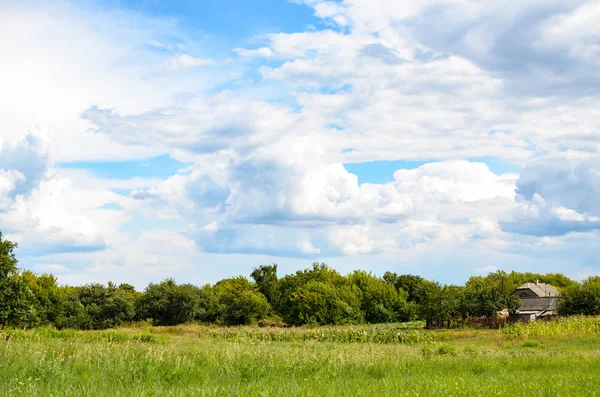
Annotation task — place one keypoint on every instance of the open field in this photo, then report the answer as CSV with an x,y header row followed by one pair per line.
x,y
541,360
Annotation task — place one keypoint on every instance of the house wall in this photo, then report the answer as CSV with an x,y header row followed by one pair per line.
x,y
525,318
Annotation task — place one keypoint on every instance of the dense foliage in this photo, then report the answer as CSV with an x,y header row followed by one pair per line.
x,y
581,298
318,295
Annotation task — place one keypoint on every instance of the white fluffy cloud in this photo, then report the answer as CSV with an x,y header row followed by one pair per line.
x,y
32,156
575,32
558,194
267,132
43,210
316,208
64,58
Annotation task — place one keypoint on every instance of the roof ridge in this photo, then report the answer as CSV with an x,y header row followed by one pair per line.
x,y
542,290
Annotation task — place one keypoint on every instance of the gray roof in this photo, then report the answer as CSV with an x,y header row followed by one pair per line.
x,y
545,303
541,289
538,304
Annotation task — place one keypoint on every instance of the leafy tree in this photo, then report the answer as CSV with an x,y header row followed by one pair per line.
x,y
407,282
430,301
167,303
581,299
240,302
512,304
266,279
452,307
47,298
100,307
127,288
208,304
292,282
558,280
318,302
17,303
71,313
482,298
318,295
381,302
440,305
8,261
506,283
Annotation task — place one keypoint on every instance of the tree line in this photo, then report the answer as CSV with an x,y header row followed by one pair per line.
x,y
318,295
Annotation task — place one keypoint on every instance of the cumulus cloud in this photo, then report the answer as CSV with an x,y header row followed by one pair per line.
x,y
8,183
32,156
286,207
558,195
204,126
575,32
266,134
66,58
42,209
529,44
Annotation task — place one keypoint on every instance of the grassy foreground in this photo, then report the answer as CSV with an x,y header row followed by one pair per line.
x,y
542,360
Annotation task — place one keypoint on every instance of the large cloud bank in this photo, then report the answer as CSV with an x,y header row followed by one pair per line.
x,y
265,134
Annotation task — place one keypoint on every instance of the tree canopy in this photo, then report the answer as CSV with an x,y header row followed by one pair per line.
x,y
317,295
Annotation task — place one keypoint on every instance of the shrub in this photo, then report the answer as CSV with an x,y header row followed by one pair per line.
x,y
168,303
240,302
581,299
320,303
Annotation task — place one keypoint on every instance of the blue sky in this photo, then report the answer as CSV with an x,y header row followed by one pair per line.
x,y
161,167
198,139
234,22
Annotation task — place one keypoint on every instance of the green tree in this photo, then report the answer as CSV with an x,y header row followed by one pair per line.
x,y
103,307
406,282
167,303
8,260
381,302
127,288
483,298
318,302
266,279
47,299
317,295
208,304
581,299
71,313
452,307
240,302
429,296
506,283
17,303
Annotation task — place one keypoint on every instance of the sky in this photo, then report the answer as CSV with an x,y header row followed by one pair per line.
x,y
146,139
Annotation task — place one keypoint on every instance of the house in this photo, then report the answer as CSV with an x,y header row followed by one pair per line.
x,y
538,301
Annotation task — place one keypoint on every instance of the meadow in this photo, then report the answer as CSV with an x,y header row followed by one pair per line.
x,y
543,359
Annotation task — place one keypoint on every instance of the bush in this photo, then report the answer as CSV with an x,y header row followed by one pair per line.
x,y
240,302
381,302
17,302
208,304
581,299
167,303
321,303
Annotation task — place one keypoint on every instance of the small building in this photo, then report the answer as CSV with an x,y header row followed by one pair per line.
x,y
538,301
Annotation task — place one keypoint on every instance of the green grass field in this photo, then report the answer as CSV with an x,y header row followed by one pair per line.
x,y
557,359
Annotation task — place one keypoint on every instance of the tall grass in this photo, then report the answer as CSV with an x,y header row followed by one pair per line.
x,y
561,326
51,365
194,360
324,334
45,333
